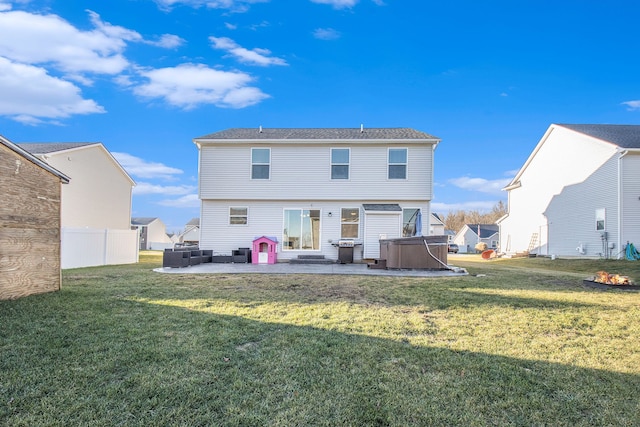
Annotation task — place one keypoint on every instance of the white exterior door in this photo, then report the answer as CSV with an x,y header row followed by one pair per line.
x,y
380,225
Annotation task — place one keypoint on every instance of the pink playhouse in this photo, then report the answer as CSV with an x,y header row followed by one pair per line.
x,y
264,250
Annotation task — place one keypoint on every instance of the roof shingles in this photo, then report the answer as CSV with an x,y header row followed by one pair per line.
x,y
624,136
319,134
51,147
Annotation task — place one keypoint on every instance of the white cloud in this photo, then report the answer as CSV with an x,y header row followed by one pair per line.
x,y
190,85
230,26
169,190
326,34
168,41
256,27
480,184
29,93
337,4
188,201
255,56
233,5
141,168
632,105
114,32
48,39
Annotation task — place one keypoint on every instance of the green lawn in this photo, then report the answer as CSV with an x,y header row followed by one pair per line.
x,y
517,342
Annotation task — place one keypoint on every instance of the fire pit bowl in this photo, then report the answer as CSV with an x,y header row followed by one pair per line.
x,y
604,280
599,285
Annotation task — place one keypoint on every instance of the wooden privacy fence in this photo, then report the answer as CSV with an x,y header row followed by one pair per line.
x,y
85,247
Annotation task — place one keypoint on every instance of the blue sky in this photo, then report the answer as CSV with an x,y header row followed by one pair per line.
x,y
145,77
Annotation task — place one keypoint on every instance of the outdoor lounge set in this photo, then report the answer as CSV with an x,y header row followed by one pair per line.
x,y
186,256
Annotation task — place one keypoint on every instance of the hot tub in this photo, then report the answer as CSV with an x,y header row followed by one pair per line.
x,y
411,252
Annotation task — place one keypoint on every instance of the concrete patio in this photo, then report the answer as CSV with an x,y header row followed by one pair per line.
x,y
286,268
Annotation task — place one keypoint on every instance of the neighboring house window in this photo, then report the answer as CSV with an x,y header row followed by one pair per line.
x,y
409,217
350,223
600,220
397,163
238,216
260,163
340,163
301,229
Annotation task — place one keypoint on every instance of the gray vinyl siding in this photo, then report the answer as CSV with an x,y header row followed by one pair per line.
x,y
265,218
388,225
571,214
630,200
299,170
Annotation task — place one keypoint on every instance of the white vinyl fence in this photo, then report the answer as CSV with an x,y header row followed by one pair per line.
x,y
85,247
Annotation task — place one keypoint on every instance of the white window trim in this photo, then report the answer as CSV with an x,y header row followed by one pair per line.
x,y
359,221
601,215
406,164
238,216
402,219
320,231
331,164
252,164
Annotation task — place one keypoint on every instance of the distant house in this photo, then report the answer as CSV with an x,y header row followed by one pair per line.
x,y
191,233
152,233
471,234
450,235
578,193
96,205
30,193
436,225
311,188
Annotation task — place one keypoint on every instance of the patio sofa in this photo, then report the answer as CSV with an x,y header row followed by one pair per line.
x,y
175,259
185,256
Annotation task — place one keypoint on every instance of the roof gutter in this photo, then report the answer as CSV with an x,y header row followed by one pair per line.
x,y
513,186
201,141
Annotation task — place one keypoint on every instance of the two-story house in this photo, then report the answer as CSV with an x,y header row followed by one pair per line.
x,y
96,205
578,193
311,188
152,234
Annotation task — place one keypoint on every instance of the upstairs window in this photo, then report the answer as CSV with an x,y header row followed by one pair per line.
x,y
260,163
238,216
349,223
397,163
340,163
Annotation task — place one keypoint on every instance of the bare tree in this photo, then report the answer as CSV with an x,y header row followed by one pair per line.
x,y
455,220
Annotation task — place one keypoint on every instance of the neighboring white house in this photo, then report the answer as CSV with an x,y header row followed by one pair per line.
x,y
96,205
152,234
436,225
313,187
578,193
471,234
191,233
450,235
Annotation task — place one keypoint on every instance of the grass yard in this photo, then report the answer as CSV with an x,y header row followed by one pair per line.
x,y
517,342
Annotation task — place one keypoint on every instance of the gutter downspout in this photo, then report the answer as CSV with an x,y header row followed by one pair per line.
x,y
620,215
